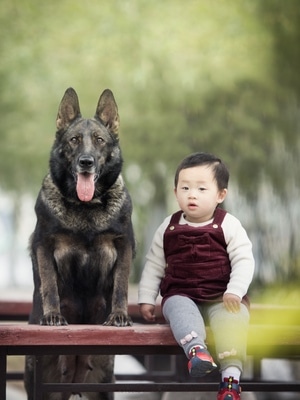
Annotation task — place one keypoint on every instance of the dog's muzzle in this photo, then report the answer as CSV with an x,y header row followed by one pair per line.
x,y
85,177
86,162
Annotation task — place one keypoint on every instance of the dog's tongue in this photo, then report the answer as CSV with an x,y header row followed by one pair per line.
x,y
85,187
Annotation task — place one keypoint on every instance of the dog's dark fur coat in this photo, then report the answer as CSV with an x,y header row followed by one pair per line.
x,y
83,244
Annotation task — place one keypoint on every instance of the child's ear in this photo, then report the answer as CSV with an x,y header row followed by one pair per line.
x,y
222,195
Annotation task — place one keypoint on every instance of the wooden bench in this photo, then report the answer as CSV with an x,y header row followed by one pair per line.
x,y
274,333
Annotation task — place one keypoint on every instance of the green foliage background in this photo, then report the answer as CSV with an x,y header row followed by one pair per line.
x,y
219,76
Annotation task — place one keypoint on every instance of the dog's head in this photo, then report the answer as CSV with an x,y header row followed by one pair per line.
x,y
86,158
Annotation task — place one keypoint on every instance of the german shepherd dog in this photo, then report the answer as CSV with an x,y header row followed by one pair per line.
x,y
83,243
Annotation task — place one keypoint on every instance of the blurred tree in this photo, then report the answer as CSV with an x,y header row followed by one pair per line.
x,y
157,70
220,77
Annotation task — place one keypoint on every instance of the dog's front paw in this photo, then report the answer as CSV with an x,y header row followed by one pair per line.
x,y
52,319
118,319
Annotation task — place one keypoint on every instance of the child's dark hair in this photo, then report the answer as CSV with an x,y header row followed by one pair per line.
x,y
194,160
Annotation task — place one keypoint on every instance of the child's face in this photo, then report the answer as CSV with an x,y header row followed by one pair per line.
x,y
197,193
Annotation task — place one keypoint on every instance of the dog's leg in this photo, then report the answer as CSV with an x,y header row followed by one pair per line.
x,y
66,365
67,368
119,315
83,367
49,289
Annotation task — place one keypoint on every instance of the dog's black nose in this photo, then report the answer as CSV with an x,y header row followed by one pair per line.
x,y
86,161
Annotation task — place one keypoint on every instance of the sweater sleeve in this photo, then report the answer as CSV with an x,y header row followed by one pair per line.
x,y
239,248
154,269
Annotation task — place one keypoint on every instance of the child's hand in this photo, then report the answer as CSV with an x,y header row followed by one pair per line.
x,y
232,302
147,311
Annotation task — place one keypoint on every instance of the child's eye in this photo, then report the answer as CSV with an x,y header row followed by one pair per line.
x,y
185,188
202,189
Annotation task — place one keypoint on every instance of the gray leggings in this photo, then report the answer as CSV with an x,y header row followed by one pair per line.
x,y
187,321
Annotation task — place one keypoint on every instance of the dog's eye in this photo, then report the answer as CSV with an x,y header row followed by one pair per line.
x,y
99,139
74,140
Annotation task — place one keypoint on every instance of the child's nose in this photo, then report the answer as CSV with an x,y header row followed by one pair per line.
x,y
192,194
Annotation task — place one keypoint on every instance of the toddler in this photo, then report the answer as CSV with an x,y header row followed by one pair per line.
x,y
201,261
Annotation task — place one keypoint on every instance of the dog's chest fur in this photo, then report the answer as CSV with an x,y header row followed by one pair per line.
x,y
83,260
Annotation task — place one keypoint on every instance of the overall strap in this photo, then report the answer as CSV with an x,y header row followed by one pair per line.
x,y
175,218
219,216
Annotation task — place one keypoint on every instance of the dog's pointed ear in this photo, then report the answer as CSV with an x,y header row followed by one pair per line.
x,y
68,109
107,111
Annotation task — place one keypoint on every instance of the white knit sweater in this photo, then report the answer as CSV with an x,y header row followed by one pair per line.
x,y
239,249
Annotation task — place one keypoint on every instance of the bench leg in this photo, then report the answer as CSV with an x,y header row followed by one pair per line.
x,y
3,363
